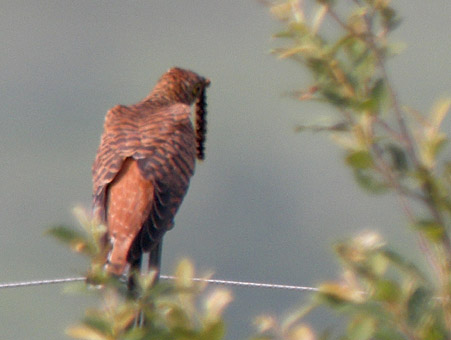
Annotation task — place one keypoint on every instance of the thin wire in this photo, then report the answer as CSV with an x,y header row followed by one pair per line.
x,y
40,282
165,277
247,284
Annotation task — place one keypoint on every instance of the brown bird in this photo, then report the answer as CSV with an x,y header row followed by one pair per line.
x,y
144,164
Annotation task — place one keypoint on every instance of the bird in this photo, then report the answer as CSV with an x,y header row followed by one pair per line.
x,y
143,166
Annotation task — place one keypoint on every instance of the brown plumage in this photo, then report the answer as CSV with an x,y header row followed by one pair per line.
x,y
143,166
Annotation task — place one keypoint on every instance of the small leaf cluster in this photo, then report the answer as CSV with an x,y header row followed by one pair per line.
x,y
90,241
177,309
381,295
388,146
345,70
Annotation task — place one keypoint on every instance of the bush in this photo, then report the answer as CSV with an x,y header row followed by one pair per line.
x,y
389,148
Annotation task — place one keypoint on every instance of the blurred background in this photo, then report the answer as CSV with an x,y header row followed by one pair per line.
x,y
267,203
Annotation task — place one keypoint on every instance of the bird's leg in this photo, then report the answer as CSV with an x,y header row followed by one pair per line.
x,y
155,259
134,270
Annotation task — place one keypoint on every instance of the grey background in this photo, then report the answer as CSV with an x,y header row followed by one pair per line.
x,y
265,205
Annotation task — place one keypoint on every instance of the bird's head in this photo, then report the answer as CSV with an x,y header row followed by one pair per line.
x,y
182,85
178,85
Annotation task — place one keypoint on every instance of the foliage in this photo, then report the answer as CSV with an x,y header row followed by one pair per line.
x,y
153,310
382,295
390,148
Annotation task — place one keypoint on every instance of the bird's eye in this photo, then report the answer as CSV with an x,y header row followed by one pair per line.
x,y
196,89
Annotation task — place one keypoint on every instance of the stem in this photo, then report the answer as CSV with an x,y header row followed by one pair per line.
x,y
409,144
385,170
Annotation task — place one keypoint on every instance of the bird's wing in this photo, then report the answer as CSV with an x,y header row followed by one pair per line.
x,y
166,157
162,141
119,140
167,146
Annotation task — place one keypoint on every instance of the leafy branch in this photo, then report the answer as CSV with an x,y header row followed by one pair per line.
x,y
154,310
389,146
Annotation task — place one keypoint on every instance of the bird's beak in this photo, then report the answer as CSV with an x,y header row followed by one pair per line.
x,y
207,82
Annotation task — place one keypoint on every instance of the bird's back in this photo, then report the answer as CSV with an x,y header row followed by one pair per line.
x,y
141,174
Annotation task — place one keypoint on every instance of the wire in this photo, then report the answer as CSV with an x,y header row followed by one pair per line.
x,y
248,284
40,282
164,277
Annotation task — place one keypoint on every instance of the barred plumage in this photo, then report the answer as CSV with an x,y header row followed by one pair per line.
x,y
143,166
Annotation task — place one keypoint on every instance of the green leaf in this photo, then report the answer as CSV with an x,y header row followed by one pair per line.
x,y
98,323
389,18
214,331
284,34
395,49
360,159
437,144
338,295
406,266
376,100
334,97
299,28
76,240
385,332
82,332
433,230
343,42
379,94
362,328
418,305
439,112
124,318
387,290
369,182
436,331
289,52
447,173
65,234
398,157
